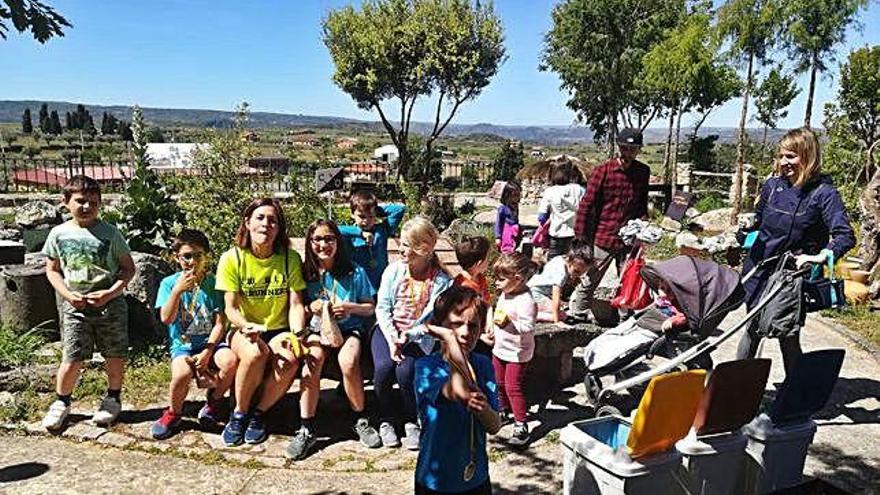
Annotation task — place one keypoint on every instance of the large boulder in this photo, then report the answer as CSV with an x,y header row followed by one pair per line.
x,y
715,220
37,213
144,326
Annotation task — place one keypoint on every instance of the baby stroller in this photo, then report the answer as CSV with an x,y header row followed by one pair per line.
x,y
705,292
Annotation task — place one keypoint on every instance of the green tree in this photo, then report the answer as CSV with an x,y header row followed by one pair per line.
x,y
148,214
859,98
68,121
813,30
55,124
109,123
123,128
40,19
155,135
27,125
88,125
398,51
596,48
685,70
509,161
772,98
751,28
44,118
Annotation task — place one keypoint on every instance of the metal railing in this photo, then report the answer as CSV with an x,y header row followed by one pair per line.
x,y
279,175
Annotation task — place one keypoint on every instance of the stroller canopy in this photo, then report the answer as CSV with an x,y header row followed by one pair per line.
x,y
705,291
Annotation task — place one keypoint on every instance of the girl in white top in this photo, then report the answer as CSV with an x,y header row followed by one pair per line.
x,y
514,325
559,205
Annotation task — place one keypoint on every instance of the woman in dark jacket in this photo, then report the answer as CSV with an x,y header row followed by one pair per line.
x,y
799,210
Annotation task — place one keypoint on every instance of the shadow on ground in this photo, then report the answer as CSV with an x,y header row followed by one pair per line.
x,y
23,471
849,472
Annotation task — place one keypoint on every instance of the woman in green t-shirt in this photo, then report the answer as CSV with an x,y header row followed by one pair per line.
x,y
261,277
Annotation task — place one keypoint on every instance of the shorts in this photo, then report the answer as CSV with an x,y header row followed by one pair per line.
x,y
104,329
195,349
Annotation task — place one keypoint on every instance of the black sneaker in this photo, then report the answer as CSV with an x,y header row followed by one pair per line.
x,y
520,437
300,444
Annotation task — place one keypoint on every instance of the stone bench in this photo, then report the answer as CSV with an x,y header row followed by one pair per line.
x,y
551,367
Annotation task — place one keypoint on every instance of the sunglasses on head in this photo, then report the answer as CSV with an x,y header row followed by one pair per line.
x,y
192,256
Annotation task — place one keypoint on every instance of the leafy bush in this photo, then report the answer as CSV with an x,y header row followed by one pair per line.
x,y
709,202
148,216
18,350
214,197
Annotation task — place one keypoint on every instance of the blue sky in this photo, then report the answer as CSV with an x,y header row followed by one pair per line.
x,y
213,54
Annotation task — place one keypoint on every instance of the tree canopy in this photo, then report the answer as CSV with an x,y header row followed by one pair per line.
x,y
32,15
772,98
596,47
402,50
812,30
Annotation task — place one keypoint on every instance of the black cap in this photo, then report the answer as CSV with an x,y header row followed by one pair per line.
x,y
630,136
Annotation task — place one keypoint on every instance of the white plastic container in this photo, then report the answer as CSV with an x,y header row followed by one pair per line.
x,y
595,462
775,455
713,463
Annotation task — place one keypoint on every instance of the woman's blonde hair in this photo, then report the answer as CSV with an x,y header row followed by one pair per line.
x,y
804,142
421,234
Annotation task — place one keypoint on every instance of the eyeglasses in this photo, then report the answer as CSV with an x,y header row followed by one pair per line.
x,y
192,256
329,239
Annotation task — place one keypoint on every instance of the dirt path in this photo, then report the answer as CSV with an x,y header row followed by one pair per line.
x,y
846,450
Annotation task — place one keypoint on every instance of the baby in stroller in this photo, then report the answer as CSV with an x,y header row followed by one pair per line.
x,y
692,297
635,335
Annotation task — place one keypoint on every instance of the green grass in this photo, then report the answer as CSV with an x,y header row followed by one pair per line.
x,y
662,250
18,349
859,319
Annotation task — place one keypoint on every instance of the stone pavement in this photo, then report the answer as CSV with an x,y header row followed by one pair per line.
x,y
124,459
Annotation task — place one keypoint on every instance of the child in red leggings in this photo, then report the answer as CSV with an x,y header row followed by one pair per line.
x,y
514,319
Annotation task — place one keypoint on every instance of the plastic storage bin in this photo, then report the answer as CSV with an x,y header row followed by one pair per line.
x,y
715,463
595,462
776,454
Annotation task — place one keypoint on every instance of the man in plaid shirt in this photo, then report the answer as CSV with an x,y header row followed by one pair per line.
x,y
617,192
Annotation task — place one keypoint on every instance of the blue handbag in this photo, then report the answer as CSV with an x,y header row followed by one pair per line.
x,y
822,292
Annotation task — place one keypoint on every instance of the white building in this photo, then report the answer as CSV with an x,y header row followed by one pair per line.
x,y
387,153
172,156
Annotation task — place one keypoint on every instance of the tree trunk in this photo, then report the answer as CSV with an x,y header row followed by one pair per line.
x,y
764,143
674,156
741,146
612,133
814,67
869,248
667,171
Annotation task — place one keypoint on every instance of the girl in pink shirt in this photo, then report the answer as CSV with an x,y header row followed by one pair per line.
x,y
514,324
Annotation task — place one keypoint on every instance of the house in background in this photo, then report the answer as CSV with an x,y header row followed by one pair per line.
x,y
387,153
346,143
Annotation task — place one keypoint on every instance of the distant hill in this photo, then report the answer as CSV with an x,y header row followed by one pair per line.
x,y
10,112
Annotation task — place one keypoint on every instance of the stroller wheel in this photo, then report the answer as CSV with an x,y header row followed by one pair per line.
x,y
608,411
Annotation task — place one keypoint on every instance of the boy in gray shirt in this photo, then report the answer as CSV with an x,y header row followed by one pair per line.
x,y
89,264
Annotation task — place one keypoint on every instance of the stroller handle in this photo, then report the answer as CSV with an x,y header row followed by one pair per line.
x,y
705,345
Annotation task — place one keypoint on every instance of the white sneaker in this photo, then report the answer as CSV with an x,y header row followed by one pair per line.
x,y
107,412
54,418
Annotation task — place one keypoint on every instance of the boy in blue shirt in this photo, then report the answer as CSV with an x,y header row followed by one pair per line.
x,y
368,237
193,311
457,399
